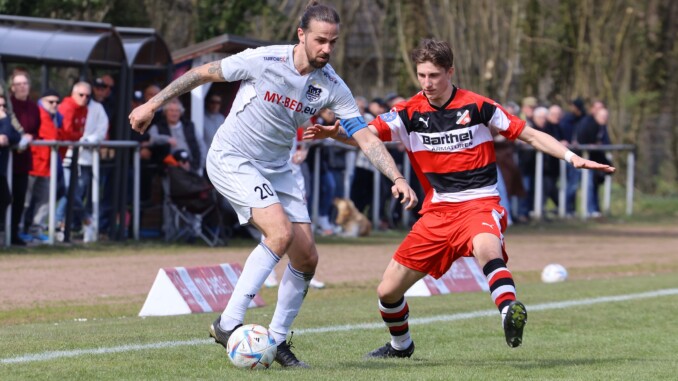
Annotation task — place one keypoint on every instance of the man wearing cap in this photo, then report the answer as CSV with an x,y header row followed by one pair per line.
x,y
50,125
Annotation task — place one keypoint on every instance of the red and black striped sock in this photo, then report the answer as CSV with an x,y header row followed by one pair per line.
x,y
395,316
502,288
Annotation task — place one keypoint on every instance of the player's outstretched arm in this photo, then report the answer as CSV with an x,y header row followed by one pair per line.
x,y
140,118
549,145
376,152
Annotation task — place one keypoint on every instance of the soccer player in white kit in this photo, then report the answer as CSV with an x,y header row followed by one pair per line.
x,y
282,87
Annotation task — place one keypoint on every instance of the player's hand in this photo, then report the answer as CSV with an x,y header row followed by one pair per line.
x,y
401,187
580,162
318,131
140,118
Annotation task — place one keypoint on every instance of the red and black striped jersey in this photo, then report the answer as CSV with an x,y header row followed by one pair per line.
x,y
450,147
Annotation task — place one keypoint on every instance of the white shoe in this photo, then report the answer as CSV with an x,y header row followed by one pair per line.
x,y
316,284
88,233
272,280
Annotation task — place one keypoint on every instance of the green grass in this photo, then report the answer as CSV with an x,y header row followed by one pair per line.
x,y
634,340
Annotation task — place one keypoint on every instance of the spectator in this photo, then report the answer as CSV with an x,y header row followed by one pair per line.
x,y
362,106
172,134
551,164
74,111
332,164
102,92
38,206
377,107
528,168
96,129
527,109
593,130
213,120
8,137
102,89
568,125
28,117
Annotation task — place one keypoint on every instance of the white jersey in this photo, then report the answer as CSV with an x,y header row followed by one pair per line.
x,y
273,100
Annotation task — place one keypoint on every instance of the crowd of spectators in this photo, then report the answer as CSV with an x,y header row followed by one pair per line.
x,y
86,113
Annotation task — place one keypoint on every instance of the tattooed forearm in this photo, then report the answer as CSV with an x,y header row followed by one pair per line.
x,y
380,158
215,69
342,136
181,85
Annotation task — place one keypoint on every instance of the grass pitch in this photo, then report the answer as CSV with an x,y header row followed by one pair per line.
x,y
635,339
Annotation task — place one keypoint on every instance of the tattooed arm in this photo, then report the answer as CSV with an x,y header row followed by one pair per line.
x,y
376,152
368,141
141,117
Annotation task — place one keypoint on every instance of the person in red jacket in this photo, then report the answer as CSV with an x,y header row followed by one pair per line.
x,y
74,111
50,126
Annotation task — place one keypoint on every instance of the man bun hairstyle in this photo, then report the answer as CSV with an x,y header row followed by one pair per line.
x,y
318,12
437,52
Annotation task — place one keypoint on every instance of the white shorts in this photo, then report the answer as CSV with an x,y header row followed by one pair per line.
x,y
247,184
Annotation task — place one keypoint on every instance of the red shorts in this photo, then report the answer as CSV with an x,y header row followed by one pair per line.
x,y
440,238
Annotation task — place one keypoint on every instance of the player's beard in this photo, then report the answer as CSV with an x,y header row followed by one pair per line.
x,y
315,62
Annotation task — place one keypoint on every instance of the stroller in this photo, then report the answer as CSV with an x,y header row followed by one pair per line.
x,y
191,209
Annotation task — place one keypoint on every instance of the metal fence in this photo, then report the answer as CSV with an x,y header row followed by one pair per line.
x,y
96,159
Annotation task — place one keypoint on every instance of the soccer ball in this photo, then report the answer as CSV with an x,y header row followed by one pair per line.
x,y
251,347
553,273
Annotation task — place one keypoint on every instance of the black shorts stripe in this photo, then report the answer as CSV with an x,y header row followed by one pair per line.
x,y
460,181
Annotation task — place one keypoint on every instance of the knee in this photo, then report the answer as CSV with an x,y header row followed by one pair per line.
x,y
388,294
280,239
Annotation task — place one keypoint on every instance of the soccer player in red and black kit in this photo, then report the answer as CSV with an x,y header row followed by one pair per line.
x,y
447,133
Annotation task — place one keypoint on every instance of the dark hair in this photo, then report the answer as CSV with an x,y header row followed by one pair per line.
x,y
318,12
437,52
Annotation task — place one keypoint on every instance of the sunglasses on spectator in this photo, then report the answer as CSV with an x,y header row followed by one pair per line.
x,y
2,105
84,95
52,101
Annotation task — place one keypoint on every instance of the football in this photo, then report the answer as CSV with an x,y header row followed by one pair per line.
x,y
251,347
553,273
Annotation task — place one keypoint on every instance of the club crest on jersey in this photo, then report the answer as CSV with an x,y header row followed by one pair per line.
x,y
313,93
388,116
464,118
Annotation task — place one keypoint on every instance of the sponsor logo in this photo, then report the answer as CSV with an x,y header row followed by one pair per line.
x,y
461,139
463,118
486,224
424,121
276,59
389,116
313,93
250,296
330,77
289,103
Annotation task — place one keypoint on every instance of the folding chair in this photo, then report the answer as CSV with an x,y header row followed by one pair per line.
x,y
190,200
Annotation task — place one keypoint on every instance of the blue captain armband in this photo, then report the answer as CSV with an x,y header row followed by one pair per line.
x,y
353,125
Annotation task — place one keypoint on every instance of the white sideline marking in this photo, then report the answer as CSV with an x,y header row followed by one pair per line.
x,y
337,328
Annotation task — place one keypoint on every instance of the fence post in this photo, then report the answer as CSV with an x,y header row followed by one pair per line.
x,y
53,175
8,211
136,192
538,185
562,188
585,179
95,190
630,171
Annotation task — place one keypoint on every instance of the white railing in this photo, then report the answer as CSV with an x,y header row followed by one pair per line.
x,y
539,176
94,147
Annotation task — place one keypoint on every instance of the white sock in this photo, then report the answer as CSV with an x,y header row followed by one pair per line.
x,y
503,314
291,293
259,264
